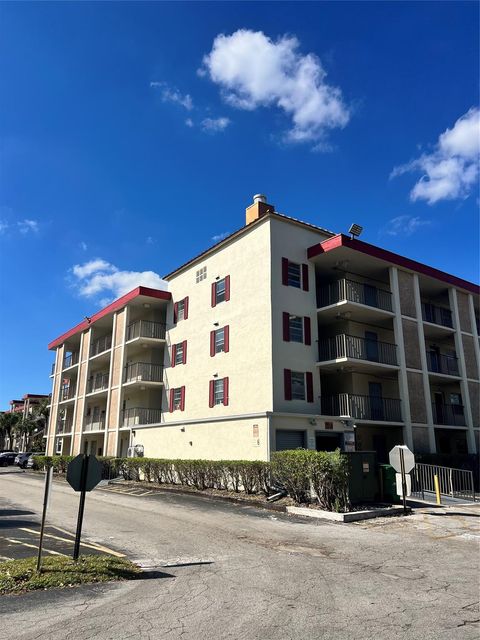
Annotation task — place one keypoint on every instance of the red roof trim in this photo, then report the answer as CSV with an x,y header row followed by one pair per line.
x,y
114,306
341,240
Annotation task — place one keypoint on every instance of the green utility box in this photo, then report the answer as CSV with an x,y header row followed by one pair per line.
x,y
388,487
363,481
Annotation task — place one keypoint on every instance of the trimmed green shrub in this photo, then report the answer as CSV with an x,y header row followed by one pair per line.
x,y
293,470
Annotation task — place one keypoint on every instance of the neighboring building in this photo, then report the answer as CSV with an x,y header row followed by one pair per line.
x,y
282,335
25,407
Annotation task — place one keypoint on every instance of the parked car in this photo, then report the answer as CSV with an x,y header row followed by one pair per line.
x,y
8,457
21,459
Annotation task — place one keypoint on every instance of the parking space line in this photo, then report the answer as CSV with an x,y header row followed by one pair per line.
x,y
97,547
33,546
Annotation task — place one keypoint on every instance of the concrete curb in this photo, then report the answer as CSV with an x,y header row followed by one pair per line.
x,y
345,517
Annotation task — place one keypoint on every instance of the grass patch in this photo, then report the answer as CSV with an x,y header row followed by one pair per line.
x,y
19,576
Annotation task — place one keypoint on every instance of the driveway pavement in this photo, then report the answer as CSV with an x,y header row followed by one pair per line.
x,y
229,571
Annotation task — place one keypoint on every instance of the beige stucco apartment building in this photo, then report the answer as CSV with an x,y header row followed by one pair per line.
x,y
282,335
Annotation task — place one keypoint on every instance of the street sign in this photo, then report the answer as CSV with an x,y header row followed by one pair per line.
x,y
93,473
408,484
83,474
408,458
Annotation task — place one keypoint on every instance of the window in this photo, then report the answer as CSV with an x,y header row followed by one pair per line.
x,y
201,274
177,399
294,277
298,385
220,291
219,340
218,392
179,353
294,274
295,327
180,310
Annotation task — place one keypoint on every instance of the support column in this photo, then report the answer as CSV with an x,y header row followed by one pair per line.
x,y
452,295
423,360
402,373
476,345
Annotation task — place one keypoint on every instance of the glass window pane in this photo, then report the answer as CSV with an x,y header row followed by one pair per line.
x,y
177,398
218,391
220,290
294,275
296,328
220,340
298,385
179,353
180,310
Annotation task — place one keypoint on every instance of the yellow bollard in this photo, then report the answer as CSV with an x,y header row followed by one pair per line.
x,y
437,488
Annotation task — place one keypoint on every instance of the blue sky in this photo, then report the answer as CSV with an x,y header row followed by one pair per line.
x,y
133,134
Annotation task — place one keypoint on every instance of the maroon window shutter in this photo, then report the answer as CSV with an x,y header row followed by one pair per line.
x,y
214,294
286,326
225,391
182,398
211,399
226,338
287,380
184,352
174,351
227,288
172,392
307,331
285,271
309,385
305,277
185,308
175,312
212,343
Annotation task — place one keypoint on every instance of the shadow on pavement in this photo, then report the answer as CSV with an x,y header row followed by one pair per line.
x,y
15,512
14,524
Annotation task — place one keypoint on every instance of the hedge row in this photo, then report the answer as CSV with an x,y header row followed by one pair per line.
x,y
323,475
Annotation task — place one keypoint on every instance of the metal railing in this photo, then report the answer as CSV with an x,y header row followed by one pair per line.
x,y
146,329
97,382
362,407
437,315
67,393
448,414
355,292
139,415
94,423
64,426
70,360
455,483
347,346
100,345
143,372
441,363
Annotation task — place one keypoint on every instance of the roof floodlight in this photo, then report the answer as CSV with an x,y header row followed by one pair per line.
x,y
355,230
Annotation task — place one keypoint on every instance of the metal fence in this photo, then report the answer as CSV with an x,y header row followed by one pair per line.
x,y
146,329
354,291
347,346
454,483
362,407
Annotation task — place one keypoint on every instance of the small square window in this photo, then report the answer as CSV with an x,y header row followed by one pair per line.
x,y
218,391
295,325
298,385
294,275
220,291
179,353
181,310
201,274
220,340
177,398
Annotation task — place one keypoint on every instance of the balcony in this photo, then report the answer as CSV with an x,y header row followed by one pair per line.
x,y
143,372
64,426
147,330
366,354
94,423
345,297
137,416
52,372
101,345
442,364
362,407
67,393
97,382
448,414
437,315
70,360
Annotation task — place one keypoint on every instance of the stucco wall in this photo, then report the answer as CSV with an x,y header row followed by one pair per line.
x,y
410,338
417,399
407,300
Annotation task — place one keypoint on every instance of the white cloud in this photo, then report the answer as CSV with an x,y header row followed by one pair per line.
x,y
173,95
98,276
27,226
405,225
189,122
255,71
83,246
150,240
451,171
214,125
3,226
220,236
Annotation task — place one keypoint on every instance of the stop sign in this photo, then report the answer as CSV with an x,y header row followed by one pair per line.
x,y
408,458
91,473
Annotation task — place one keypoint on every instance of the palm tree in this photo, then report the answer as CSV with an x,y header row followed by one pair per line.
x,y
25,428
8,422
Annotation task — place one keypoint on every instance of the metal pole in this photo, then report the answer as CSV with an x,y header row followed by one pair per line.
x,y
48,480
404,482
81,506
437,489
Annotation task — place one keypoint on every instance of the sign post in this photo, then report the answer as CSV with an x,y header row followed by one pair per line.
x,y
46,499
84,472
403,461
